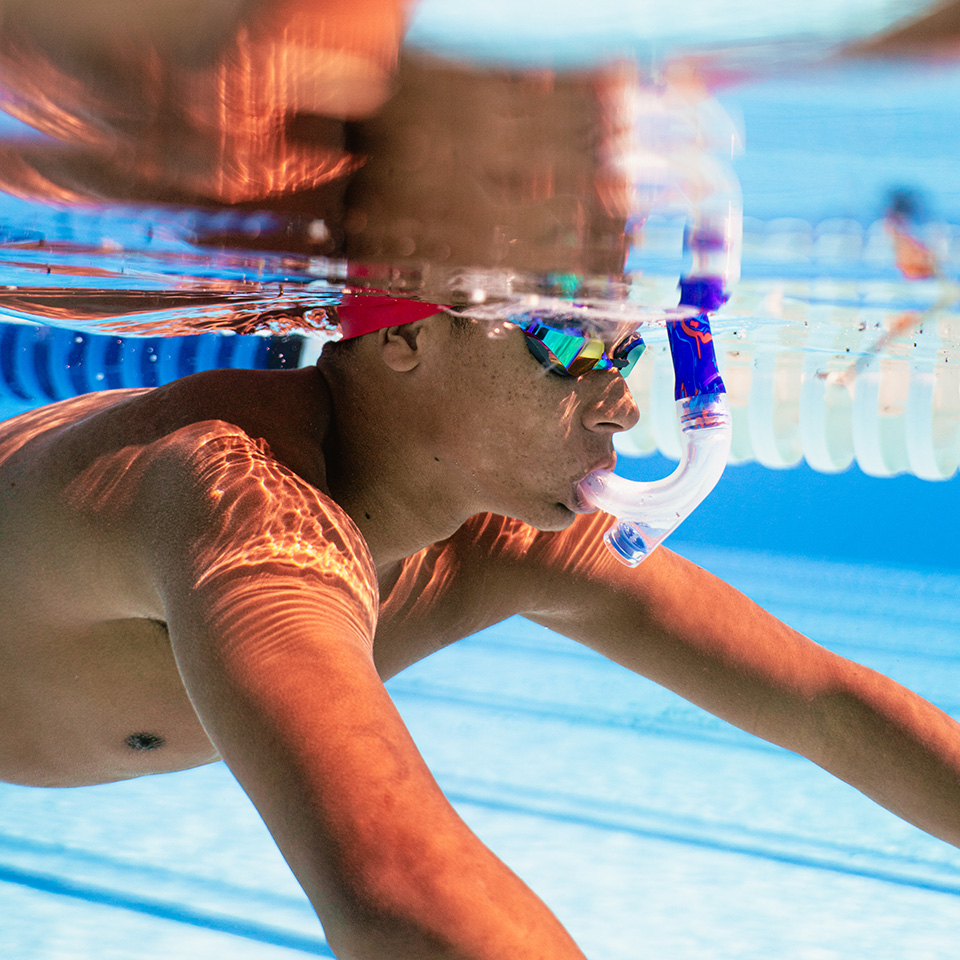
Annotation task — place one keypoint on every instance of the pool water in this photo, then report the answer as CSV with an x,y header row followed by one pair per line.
x,y
651,828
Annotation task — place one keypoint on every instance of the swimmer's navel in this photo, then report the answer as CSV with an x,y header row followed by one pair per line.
x,y
145,741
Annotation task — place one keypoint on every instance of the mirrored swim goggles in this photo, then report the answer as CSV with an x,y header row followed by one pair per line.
x,y
573,352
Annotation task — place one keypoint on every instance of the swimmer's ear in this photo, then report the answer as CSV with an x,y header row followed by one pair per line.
x,y
399,346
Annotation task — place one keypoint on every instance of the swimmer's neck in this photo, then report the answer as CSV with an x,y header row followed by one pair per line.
x,y
398,509
401,499
327,429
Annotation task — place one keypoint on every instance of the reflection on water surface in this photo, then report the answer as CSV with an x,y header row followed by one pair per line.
x,y
235,178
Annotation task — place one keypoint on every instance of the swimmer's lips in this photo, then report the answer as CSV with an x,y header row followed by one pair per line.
x,y
581,504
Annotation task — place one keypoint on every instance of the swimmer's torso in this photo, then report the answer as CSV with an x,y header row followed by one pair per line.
x,y
89,687
85,660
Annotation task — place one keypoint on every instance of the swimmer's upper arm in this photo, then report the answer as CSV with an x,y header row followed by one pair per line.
x,y
270,600
688,630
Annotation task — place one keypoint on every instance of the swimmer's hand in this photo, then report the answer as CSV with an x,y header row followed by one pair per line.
x,y
934,33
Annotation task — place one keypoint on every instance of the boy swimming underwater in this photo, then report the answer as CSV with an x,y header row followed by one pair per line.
x,y
230,566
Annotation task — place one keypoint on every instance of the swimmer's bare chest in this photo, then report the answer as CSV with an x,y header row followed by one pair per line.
x,y
90,691
89,688
93,703
86,701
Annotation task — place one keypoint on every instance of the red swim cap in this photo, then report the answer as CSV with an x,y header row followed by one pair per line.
x,y
361,313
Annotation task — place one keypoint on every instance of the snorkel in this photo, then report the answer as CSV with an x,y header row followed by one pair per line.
x,y
648,512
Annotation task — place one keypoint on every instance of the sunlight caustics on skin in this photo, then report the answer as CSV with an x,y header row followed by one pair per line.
x,y
278,523
34,423
443,578
261,542
261,517
278,520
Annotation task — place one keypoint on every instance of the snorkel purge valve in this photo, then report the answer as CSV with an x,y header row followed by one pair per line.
x,y
647,513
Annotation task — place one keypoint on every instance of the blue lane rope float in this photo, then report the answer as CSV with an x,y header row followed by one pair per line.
x,y
41,364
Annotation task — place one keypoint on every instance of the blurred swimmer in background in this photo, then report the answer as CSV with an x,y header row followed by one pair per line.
x,y
313,110
306,109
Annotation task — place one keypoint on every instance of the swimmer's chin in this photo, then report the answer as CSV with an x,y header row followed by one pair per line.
x,y
559,515
566,514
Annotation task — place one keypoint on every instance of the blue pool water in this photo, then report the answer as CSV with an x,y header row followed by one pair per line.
x,y
651,828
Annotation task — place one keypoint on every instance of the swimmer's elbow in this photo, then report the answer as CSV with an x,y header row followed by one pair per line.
x,y
371,926
420,907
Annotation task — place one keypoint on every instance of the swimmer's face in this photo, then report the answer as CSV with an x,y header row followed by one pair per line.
x,y
527,436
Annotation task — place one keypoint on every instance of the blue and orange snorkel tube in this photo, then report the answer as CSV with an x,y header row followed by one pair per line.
x,y
648,512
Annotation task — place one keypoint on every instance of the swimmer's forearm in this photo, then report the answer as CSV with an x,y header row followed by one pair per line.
x,y
391,869
892,745
700,637
407,879
288,691
468,914
863,727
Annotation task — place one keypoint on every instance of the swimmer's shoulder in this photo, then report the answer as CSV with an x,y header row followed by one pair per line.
x,y
52,419
288,410
96,453
216,509
524,567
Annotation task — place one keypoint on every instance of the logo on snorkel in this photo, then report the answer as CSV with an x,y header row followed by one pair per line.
x,y
699,335
694,358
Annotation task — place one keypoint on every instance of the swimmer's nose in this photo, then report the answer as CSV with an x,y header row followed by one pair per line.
x,y
613,410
